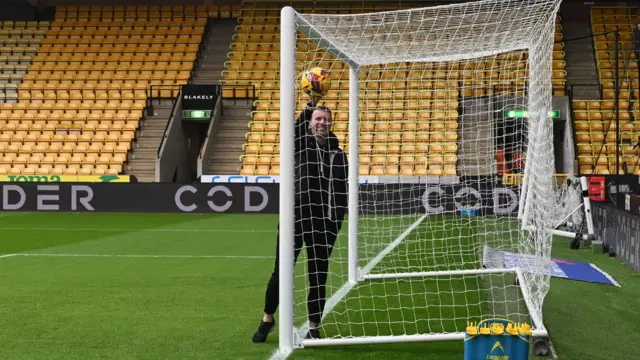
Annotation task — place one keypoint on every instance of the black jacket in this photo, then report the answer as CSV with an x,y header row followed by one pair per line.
x,y
321,174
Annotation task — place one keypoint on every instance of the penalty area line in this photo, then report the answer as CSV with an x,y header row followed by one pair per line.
x,y
147,256
7,255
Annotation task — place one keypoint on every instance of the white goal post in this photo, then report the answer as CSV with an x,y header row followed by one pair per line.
x,y
406,272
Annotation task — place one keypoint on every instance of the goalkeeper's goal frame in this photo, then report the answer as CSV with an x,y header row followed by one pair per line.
x,y
290,336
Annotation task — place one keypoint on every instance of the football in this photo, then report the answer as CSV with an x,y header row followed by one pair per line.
x,y
316,81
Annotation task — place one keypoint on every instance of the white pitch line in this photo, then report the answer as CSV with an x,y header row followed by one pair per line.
x,y
142,230
281,355
148,256
391,247
346,288
7,255
606,275
554,354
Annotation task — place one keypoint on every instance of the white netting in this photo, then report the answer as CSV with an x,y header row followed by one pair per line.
x,y
570,212
436,86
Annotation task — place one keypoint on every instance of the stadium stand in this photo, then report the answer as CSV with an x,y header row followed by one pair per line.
x,y
387,146
559,78
595,120
20,42
80,102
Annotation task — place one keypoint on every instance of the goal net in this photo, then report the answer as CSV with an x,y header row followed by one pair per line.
x,y
573,215
431,105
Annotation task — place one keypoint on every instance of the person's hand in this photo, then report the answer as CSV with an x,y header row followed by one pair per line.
x,y
314,99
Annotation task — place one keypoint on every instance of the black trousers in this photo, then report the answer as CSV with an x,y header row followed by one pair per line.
x,y
318,236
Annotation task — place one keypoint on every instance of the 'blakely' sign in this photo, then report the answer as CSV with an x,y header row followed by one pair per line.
x,y
199,97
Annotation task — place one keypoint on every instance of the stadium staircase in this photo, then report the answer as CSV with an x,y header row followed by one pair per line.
x,y
142,158
475,141
595,119
228,141
229,135
580,56
209,63
219,36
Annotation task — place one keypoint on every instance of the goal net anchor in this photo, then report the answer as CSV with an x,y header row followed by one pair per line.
x,y
417,268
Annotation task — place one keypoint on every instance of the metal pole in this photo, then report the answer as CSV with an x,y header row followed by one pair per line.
x,y
617,107
354,137
287,189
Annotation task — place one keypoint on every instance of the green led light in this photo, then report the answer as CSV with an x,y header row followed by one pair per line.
x,y
517,114
525,114
196,114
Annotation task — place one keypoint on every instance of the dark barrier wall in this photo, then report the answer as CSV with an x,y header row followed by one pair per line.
x,y
18,10
153,198
620,230
403,199
385,199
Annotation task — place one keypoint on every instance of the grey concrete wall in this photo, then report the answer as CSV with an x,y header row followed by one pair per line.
x,y
203,159
173,150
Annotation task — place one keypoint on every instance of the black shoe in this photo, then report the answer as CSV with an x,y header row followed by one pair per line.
x,y
313,334
263,331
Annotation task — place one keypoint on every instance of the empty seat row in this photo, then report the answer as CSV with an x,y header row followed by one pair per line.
x,y
75,105
598,116
58,25
163,63
131,50
79,76
148,12
56,170
15,59
122,33
91,144
65,152
90,45
176,51
366,170
22,42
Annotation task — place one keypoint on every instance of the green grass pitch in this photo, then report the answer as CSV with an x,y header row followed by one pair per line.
x,y
185,286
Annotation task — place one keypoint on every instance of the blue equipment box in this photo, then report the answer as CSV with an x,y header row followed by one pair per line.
x,y
468,211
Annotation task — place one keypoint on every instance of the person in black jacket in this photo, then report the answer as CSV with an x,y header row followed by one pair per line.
x,y
320,205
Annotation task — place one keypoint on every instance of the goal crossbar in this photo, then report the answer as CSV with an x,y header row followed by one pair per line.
x,y
311,32
478,29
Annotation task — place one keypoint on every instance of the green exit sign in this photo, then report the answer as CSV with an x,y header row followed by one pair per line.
x,y
196,114
525,114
